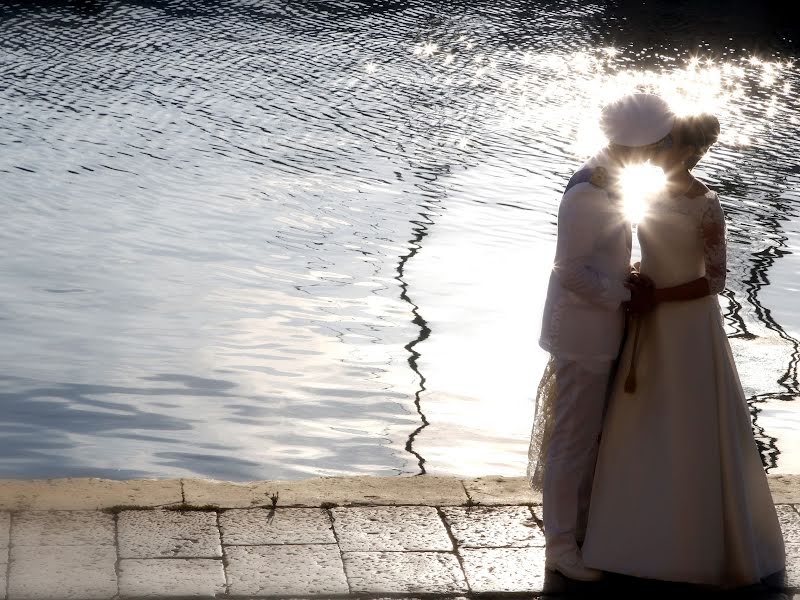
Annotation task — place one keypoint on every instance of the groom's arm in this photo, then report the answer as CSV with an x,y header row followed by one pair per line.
x,y
582,216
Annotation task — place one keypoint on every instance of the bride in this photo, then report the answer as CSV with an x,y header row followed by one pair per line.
x,y
679,491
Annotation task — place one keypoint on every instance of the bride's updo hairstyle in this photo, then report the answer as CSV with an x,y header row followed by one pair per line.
x,y
699,131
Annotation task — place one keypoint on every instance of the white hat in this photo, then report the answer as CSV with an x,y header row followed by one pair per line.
x,y
636,120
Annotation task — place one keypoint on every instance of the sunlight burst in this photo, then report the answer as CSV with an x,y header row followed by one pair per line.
x,y
638,183
429,49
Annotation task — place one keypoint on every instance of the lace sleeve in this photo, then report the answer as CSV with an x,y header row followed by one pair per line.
x,y
712,225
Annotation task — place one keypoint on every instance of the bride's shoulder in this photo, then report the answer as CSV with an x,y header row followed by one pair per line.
x,y
711,209
699,189
704,198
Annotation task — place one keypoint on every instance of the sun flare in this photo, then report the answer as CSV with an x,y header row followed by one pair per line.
x,y
638,183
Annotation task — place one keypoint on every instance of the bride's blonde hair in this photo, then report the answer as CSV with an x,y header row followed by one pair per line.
x,y
700,131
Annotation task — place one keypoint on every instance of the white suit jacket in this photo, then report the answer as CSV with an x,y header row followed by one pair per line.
x,y
583,316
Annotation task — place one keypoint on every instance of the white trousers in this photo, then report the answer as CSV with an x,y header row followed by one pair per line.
x,y
581,389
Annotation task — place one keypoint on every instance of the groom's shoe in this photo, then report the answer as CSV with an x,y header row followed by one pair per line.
x,y
570,565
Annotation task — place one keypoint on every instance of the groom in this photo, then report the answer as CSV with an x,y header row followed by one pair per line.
x,y
584,317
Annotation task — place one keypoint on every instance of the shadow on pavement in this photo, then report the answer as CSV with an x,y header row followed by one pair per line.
x,y
622,587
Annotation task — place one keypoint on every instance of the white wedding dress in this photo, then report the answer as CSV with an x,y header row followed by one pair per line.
x,y
679,492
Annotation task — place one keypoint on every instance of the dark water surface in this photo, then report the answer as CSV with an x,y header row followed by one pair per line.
x,y
250,239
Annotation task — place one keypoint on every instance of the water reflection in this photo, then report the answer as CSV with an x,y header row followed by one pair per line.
x,y
420,231
257,240
482,360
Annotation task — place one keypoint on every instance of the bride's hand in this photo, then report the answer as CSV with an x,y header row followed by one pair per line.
x,y
640,280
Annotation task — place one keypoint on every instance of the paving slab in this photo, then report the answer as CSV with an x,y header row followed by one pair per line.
x,y
5,526
260,526
385,528
62,573
418,490
504,569
785,488
501,490
63,528
5,529
86,493
792,575
538,513
313,569
168,534
171,578
3,572
790,523
493,526
404,572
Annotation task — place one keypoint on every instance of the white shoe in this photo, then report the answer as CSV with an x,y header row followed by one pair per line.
x,y
570,565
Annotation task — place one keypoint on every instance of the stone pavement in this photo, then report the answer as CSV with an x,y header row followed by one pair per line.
x,y
324,538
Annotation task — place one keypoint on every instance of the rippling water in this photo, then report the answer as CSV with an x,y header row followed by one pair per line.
x,y
259,239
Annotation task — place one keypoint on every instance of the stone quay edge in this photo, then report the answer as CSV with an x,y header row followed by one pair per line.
x,y
418,490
